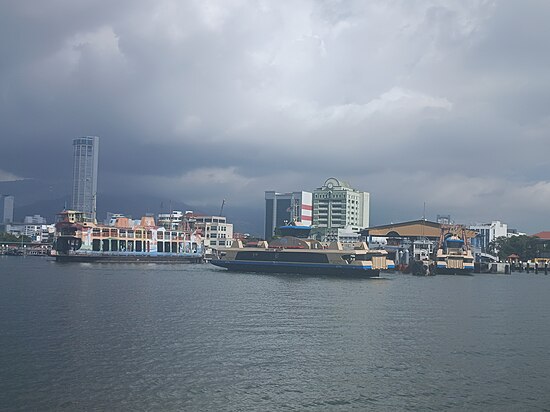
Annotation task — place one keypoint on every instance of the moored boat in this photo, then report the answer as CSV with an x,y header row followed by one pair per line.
x,y
80,240
305,256
454,256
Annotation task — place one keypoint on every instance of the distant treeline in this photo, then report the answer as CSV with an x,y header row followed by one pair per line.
x,y
8,237
526,247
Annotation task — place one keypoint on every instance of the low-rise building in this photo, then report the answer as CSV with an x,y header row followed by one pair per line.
x,y
41,233
216,232
172,220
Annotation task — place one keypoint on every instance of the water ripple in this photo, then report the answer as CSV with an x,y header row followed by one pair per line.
x,y
154,337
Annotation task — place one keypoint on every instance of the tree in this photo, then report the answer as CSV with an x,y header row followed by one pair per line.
x,y
527,247
8,237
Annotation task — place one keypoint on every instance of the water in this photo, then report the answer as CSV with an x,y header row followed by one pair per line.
x,y
162,337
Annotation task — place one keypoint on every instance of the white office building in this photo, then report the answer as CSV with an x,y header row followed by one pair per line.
x,y
216,232
487,232
336,205
173,220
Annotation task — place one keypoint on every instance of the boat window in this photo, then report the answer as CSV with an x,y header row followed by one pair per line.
x,y
349,258
269,256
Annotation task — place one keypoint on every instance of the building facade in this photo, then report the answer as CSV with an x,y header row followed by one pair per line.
x,y
7,203
488,232
337,206
216,232
41,233
173,220
85,170
285,208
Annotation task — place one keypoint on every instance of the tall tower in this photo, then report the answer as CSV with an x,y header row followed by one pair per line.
x,y
6,208
85,164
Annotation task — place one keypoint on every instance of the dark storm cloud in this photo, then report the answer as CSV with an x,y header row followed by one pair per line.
x,y
444,103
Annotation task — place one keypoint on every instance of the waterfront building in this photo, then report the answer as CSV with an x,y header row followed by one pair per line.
x,y
488,232
285,208
216,232
40,233
336,205
173,220
85,170
6,208
405,241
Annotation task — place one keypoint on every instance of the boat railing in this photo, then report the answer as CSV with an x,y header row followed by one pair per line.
x,y
127,253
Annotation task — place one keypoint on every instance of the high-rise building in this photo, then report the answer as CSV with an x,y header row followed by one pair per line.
x,y
284,208
336,206
85,167
6,208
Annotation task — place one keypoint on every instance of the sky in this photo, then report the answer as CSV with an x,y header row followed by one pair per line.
x,y
419,102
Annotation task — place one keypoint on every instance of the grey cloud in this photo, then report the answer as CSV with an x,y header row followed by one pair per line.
x,y
245,96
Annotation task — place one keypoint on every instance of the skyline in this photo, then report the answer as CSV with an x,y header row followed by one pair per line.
x,y
197,102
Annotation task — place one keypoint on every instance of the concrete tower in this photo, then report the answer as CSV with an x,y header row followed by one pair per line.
x,y
85,167
6,208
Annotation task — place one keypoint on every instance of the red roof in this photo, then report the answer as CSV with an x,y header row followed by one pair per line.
x,y
543,235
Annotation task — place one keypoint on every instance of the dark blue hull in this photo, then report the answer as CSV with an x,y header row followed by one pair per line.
x,y
129,258
448,271
298,268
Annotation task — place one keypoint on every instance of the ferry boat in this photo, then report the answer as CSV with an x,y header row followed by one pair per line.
x,y
122,240
454,256
293,255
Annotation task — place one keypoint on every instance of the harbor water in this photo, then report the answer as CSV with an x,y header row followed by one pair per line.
x,y
194,337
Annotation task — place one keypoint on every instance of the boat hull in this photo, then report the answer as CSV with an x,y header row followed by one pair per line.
x,y
298,268
105,258
450,271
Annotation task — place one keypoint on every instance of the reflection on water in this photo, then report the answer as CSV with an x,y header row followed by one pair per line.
x,y
161,337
